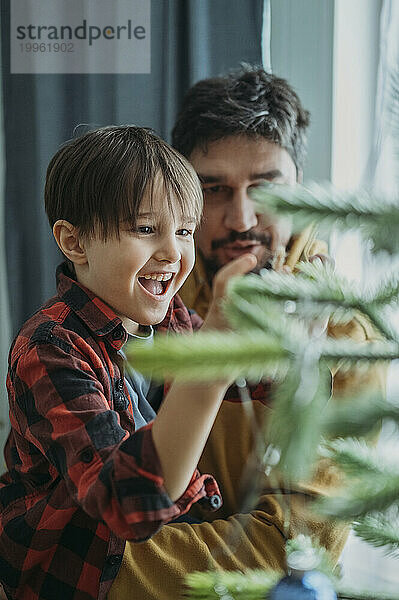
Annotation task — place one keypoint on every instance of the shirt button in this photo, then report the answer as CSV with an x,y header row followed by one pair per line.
x,y
87,455
215,501
120,401
114,559
117,333
119,385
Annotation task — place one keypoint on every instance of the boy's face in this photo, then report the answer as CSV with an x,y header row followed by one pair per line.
x,y
231,226
139,273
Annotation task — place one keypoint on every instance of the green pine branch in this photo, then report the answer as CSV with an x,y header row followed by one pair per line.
x,y
262,313
373,483
392,116
347,593
319,285
359,502
283,286
210,356
348,352
357,416
376,218
373,312
257,585
217,585
253,354
254,584
295,424
388,291
380,530
357,458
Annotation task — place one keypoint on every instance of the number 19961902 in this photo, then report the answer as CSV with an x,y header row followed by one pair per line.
x,y
47,47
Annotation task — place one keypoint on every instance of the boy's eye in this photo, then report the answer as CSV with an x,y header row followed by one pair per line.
x,y
146,229
184,232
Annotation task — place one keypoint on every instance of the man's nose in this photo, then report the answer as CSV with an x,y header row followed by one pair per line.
x,y
240,212
168,250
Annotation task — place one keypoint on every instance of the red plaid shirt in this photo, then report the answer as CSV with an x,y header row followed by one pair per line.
x,y
80,479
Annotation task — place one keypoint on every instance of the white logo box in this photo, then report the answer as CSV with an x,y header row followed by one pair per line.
x,y
80,36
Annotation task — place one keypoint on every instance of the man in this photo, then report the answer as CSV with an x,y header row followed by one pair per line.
x,y
238,131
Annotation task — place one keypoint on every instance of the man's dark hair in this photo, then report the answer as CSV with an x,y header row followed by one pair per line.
x,y
98,180
248,101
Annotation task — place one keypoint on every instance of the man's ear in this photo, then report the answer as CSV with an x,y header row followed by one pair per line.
x,y
68,239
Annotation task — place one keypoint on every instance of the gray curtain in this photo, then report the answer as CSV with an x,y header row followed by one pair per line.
x,y
190,39
4,308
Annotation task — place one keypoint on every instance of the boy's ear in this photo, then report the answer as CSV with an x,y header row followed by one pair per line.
x,y
68,239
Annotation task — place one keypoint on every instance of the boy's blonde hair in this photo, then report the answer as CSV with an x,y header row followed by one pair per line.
x,y
98,180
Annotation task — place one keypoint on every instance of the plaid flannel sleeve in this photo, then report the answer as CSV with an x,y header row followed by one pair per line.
x,y
60,407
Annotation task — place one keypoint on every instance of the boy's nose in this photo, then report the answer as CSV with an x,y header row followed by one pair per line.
x,y
168,251
240,213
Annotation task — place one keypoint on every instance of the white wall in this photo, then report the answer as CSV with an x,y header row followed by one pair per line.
x,y
355,64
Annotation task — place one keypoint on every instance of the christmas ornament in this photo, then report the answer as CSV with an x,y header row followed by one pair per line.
x,y
304,582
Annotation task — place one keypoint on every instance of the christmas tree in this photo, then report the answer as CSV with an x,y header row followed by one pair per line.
x,y
277,333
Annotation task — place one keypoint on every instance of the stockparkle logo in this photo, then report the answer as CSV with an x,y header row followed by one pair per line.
x,y
81,32
92,36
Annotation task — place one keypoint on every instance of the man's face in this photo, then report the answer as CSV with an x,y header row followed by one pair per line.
x,y
229,170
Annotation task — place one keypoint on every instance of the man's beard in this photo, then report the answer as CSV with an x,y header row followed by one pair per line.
x,y
213,265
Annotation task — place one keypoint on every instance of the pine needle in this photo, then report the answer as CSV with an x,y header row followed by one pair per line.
x,y
380,530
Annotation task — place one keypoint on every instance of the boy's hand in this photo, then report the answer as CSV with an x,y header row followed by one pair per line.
x,y
239,266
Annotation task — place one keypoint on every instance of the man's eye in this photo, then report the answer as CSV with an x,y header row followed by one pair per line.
x,y
184,232
214,189
146,229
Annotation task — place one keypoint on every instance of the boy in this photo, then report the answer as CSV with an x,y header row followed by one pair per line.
x,y
82,477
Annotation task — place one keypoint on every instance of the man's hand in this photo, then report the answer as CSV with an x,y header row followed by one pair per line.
x,y
319,326
323,259
239,266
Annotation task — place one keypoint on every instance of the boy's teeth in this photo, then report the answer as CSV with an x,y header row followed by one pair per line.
x,y
159,277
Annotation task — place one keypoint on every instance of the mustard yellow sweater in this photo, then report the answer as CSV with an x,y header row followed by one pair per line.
x,y
229,538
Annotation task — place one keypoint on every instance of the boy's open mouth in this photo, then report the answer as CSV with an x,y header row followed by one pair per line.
x,y
156,284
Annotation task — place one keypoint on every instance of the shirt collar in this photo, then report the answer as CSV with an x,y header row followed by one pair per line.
x,y
97,315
